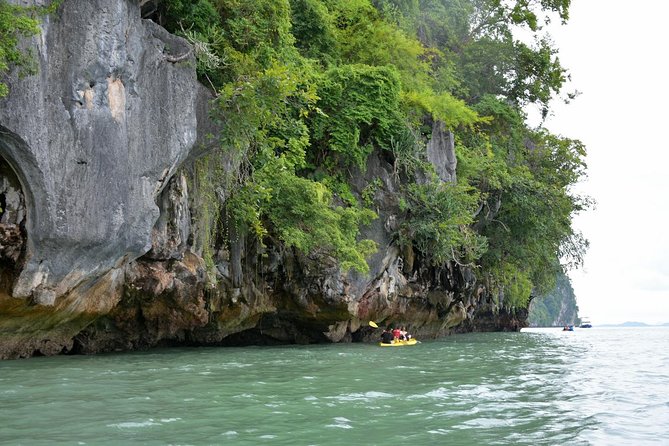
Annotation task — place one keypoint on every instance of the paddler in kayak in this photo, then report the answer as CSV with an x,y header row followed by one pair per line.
x,y
403,334
387,336
396,334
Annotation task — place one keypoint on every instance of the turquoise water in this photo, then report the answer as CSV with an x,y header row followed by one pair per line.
x,y
590,386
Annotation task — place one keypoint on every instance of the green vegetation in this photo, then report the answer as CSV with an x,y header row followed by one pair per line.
x,y
438,223
359,111
15,22
309,89
555,308
18,22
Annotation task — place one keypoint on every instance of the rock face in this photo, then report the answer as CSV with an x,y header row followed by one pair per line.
x,y
106,239
93,138
441,152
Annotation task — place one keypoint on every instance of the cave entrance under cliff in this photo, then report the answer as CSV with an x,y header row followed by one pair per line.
x,y
12,199
12,219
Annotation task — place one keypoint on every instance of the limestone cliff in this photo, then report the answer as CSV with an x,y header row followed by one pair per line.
x,y
556,308
92,140
103,229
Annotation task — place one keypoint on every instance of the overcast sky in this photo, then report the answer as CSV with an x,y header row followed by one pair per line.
x,y
617,53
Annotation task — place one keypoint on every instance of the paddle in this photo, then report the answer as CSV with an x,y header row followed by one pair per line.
x,y
373,324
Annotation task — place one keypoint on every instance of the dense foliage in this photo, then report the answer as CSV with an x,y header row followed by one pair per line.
x,y
555,308
309,89
17,22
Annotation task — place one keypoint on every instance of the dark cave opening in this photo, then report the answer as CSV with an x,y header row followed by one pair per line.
x,y
3,204
12,226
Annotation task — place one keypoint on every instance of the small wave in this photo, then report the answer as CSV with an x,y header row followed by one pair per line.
x,y
362,396
439,393
135,424
235,365
169,420
114,372
340,426
483,423
373,394
341,423
439,431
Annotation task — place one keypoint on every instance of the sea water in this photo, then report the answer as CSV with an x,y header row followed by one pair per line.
x,y
543,387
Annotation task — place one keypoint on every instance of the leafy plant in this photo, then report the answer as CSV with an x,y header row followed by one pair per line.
x,y
17,22
308,89
360,111
438,222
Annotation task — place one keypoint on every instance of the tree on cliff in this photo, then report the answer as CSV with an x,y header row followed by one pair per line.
x,y
310,89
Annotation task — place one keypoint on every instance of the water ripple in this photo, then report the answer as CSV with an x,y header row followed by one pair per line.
x,y
597,387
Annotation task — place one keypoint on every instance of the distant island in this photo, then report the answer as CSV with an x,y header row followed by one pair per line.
x,y
635,324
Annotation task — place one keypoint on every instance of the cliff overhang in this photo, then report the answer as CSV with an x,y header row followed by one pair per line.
x,y
101,243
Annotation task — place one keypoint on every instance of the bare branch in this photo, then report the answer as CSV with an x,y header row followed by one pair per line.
x,y
175,59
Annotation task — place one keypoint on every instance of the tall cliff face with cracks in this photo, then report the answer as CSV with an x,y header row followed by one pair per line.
x,y
92,140
103,226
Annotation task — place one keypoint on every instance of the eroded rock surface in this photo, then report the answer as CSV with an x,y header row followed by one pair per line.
x,y
106,238
93,138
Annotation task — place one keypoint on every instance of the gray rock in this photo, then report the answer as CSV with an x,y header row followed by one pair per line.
x,y
12,201
93,139
172,229
441,152
104,235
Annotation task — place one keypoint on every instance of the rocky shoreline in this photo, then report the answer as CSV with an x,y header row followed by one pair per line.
x,y
103,240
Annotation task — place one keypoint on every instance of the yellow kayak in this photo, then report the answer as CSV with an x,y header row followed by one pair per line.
x,y
411,341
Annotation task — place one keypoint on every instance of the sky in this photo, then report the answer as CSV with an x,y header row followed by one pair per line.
x,y
617,54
